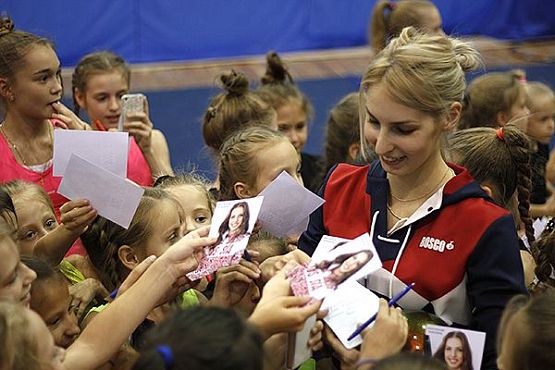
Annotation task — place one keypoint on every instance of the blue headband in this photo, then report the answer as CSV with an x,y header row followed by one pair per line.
x,y
166,354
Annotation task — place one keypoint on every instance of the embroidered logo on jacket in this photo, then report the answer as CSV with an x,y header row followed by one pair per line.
x,y
436,244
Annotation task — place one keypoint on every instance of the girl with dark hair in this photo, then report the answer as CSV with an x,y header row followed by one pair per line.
x,y
455,351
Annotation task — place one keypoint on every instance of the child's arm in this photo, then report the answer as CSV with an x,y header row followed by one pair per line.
x,y
76,216
110,329
546,209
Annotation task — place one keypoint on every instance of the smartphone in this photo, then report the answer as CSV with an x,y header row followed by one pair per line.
x,y
130,103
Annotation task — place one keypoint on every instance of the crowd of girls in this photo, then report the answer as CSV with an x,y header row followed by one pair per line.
x,y
447,179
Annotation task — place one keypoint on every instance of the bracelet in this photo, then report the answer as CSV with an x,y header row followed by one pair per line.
x,y
365,361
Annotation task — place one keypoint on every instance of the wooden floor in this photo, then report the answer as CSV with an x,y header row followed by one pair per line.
x,y
313,65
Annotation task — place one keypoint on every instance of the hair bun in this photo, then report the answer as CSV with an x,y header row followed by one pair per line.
x,y
467,57
235,83
276,73
6,25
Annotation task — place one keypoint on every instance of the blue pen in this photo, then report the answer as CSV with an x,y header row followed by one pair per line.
x,y
391,302
114,293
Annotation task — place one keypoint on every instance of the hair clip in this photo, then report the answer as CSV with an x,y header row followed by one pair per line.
x,y
550,225
212,112
500,134
167,355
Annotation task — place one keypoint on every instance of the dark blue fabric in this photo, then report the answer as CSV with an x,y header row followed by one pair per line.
x,y
159,30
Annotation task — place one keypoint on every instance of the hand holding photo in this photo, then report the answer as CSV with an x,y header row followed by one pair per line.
x,y
232,223
459,349
348,261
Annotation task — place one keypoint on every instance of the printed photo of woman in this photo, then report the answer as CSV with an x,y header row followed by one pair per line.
x,y
455,351
343,266
234,227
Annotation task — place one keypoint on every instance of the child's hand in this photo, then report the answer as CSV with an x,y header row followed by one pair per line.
x,y
387,336
83,293
274,264
67,118
77,215
347,357
315,342
233,282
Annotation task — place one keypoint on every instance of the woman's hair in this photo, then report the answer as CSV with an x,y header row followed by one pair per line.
x,y
224,227
202,338
19,345
467,353
342,130
99,62
500,159
389,18
233,109
409,361
490,94
238,157
187,178
278,88
103,237
14,45
26,191
422,72
535,344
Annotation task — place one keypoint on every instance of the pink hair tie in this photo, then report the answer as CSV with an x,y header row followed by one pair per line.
x,y
522,79
500,134
392,6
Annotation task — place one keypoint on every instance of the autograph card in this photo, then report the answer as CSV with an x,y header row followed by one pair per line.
x,y
232,223
341,263
451,345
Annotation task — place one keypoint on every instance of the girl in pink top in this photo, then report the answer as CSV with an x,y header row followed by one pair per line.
x,y
30,91
99,81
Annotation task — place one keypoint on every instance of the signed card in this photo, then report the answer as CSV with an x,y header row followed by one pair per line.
x,y
342,262
232,223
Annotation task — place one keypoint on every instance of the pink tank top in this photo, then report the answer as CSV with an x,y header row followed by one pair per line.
x,y
138,169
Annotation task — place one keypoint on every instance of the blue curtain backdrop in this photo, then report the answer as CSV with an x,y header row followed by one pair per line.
x,y
162,30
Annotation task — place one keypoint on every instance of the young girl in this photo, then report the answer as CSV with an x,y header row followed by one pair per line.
x,y
389,18
99,81
25,332
252,158
51,300
508,182
294,112
494,99
527,333
410,199
191,192
30,90
541,101
233,109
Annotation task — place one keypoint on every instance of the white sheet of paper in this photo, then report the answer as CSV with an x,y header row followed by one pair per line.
x,y
349,306
286,206
113,197
108,150
298,351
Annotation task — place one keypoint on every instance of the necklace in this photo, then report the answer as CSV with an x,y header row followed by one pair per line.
x,y
393,213
434,189
14,147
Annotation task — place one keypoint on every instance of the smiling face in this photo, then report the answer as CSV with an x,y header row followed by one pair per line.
x,y
36,219
292,121
51,300
102,97
236,221
15,277
454,353
36,83
353,263
406,141
195,206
